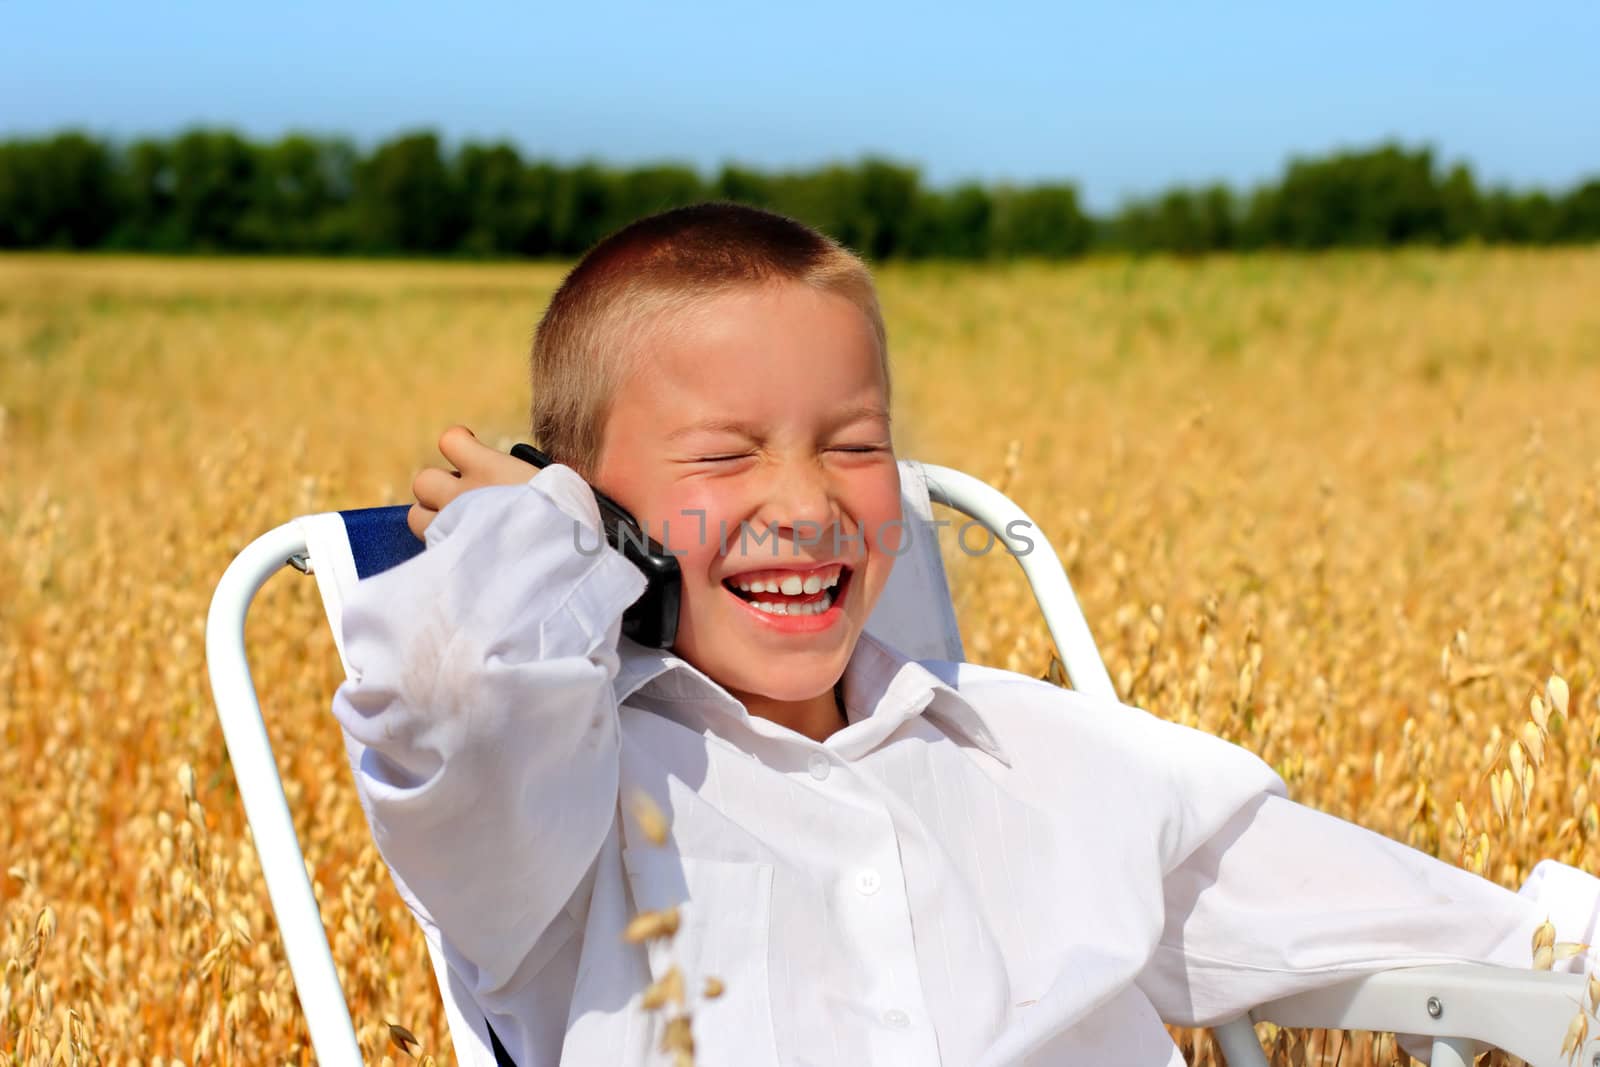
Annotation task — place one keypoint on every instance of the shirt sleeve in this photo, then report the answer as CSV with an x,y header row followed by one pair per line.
x,y
481,694
1286,899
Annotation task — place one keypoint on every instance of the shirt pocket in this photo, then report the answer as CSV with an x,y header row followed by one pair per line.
x,y
724,919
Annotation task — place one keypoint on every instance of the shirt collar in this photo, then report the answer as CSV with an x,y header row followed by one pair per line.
x,y
883,688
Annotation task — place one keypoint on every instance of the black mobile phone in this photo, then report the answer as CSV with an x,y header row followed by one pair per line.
x,y
653,618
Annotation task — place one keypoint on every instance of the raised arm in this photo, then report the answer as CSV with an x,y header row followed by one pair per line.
x,y
1286,898
482,692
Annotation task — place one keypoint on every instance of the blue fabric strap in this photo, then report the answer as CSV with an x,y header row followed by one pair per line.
x,y
379,538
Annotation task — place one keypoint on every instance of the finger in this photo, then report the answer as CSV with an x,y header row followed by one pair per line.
x,y
435,488
461,447
481,464
502,468
418,518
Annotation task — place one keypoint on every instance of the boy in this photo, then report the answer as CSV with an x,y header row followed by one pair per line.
x,y
882,861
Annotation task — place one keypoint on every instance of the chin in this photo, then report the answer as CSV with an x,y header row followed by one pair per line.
x,y
793,682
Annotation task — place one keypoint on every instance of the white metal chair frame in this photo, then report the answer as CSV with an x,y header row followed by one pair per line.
x,y
1463,1008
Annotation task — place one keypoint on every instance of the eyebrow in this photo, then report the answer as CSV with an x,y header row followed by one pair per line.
x,y
842,418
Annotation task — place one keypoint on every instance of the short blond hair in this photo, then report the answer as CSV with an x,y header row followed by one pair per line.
x,y
656,267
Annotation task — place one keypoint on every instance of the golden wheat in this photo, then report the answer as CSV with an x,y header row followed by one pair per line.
x,y
1340,510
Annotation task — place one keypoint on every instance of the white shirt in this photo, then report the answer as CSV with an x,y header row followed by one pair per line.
x,y
981,868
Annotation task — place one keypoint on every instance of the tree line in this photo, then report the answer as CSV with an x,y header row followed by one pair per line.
x,y
211,190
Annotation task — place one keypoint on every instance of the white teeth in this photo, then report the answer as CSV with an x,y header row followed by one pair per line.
x,y
812,607
790,585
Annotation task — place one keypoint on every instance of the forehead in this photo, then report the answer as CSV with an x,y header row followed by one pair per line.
x,y
756,347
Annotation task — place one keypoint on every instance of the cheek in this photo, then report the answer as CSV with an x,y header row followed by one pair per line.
x,y
877,510
692,524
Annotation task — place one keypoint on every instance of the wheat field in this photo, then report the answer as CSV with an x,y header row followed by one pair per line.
x,y
1341,510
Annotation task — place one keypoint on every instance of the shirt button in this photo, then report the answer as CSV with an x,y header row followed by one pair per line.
x,y
818,765
867,882
896,1018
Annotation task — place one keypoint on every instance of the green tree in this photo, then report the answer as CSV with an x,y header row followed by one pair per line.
x,y
743,185
1520,218
499,207
954,225
1044,220
1181,220
302,194
213,174
1384,196
405,200
56,193
647,190
145,192
212,190
1460,206
1578,214
581,207
888,195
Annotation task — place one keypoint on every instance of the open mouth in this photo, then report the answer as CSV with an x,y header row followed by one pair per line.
x,y
791,592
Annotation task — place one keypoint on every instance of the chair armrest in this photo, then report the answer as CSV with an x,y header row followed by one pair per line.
x,y
294,903
1523,1012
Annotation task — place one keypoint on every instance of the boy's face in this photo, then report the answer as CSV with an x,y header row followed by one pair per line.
x,y
764,407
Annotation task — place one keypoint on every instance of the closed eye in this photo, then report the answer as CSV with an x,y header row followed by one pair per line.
x,y
860,449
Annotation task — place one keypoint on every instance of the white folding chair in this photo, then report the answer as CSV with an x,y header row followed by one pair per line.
x,y
1460,1007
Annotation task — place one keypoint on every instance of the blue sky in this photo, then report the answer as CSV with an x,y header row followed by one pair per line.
x,y
1123,99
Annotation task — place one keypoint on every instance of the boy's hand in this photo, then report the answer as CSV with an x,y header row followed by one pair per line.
x,y
476,464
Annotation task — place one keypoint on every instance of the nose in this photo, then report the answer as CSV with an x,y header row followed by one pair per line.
x,y
800,506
